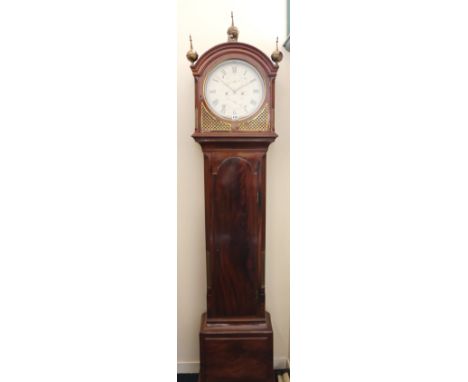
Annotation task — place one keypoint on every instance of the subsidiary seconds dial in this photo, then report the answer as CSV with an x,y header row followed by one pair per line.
x,y
234,90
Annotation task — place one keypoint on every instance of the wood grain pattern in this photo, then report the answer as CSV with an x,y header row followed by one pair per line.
x,y
235,238
235,182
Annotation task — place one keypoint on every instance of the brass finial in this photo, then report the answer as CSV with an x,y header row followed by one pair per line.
x,y
277,56
233,32
191,55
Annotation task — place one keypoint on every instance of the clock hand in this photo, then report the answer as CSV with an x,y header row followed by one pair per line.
x,y
240,87
225,84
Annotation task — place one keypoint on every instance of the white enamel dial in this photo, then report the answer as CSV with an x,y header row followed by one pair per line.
x,y
234,90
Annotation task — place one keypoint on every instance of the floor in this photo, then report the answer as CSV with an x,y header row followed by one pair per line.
x,y
187,377
193,377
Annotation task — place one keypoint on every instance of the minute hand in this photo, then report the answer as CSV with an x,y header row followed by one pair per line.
x,y
225,84
240,87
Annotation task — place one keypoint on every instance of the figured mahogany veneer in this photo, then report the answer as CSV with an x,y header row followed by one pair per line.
x,y
235,180
236,337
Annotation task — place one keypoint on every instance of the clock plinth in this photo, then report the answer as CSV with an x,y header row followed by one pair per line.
x,y
234,102
236,352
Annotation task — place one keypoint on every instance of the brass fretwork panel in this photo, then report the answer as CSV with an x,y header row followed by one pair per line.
x,y
259,123
210,123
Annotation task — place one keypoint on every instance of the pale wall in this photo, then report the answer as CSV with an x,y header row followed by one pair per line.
x,y
208,21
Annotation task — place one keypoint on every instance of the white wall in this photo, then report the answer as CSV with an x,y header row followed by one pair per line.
x,y
259,23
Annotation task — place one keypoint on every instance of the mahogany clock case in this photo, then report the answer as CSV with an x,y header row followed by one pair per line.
x,y
236,336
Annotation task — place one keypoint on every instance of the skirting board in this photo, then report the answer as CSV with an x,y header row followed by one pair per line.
x,y
194,367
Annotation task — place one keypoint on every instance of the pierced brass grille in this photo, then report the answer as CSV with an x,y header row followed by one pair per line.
x,y
210,123
259,123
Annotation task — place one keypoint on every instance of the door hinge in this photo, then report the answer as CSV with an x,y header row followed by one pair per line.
x,y
259,198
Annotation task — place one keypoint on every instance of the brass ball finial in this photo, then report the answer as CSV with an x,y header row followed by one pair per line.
x,y
277,56
191,55
233,32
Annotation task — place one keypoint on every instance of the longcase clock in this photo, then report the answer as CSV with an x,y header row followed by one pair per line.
x,y
235,105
